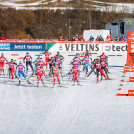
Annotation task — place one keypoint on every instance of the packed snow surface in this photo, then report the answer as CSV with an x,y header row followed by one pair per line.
x,y
88,109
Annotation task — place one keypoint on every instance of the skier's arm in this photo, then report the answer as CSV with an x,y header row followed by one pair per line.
x,y
24,68
83,60
90,59
69,72
34,60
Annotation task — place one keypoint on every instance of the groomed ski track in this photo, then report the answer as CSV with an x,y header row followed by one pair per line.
x,y
88,109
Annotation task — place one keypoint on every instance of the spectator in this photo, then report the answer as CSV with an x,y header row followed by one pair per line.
x,y
108,38
117,39
98,38
91,38
123,38
2,37
81,38
76,38
101,38
61,38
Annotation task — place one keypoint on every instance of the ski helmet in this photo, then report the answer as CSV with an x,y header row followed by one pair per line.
x,y
20,62
27,53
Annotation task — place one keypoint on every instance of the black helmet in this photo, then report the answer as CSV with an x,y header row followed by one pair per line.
x,y
27,53
58,53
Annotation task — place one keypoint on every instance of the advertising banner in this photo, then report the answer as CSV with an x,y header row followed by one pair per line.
x,y
114,48
22,46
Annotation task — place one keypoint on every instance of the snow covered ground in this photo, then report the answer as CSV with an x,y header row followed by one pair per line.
x,y
118,7
88,109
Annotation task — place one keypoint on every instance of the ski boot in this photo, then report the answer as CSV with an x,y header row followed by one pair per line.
x,y
19,82
73,84
78,83
37,84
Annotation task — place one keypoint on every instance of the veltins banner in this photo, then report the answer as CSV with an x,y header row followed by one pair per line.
x,y
117,48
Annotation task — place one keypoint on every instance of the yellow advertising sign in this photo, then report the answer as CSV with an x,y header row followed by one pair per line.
x,y
129,22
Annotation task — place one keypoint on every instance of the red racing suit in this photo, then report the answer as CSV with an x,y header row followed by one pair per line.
x,y
47,54
41,64
12,69
39,73
98,66
2,62
75,72
103,57
56,74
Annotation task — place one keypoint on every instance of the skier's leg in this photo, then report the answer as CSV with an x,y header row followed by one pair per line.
x,y
100,70
76,75
31,65
23,74
27,63
58,78
97,72
91,71
54,78
9,72
43,73
106,72
12,71
3,67
19,74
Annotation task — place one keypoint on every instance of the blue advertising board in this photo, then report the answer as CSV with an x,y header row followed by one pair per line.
x,y
23,46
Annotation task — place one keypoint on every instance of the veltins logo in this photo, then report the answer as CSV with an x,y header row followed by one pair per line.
x,y
107,48
60,47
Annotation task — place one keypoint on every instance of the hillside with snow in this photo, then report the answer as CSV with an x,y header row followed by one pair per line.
x,y
67,4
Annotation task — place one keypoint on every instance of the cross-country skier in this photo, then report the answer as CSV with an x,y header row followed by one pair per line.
x,y
75,62
77,59
75,71
21,70
60,57
36,61
56,74
104,68
87,53
98,66
47,55
2,62
104,57
28,60
12,67
86,62
39,74
51,64
59,63
41,63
